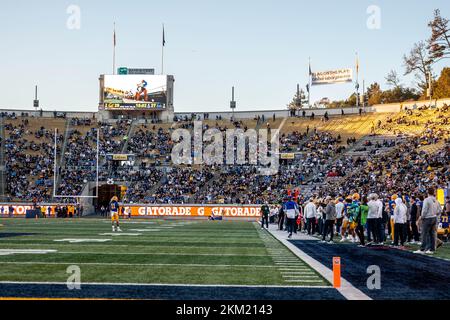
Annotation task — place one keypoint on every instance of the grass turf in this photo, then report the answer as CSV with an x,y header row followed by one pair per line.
x,y
157,252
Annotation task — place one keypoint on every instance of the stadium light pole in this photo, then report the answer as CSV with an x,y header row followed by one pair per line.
x,y
232,103
36,101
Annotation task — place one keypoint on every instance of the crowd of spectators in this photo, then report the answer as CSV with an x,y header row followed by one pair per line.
x,y
29,160
320,161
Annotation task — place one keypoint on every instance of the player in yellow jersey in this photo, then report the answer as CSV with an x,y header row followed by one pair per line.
x,y
114,208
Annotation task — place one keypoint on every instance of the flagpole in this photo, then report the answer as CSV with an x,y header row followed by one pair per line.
x,y
162,53
364,95
114,50
357,81
309,82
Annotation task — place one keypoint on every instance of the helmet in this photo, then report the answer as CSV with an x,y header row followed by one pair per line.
x,y
114,198
356,196
394,197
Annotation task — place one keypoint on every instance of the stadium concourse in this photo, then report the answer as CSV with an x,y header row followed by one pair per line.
x,y
391,159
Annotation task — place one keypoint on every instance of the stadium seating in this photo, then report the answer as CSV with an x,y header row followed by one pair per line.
x,y
326,150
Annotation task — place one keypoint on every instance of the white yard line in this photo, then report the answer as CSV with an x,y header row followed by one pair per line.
x,y
164,285
346,289
165,254
136,264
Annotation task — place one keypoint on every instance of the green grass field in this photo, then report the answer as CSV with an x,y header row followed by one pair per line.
x,y
149,252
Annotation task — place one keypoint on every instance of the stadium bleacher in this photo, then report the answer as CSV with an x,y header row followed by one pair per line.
x,y
326,147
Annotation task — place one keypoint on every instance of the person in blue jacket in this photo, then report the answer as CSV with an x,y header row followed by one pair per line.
x,y
291,210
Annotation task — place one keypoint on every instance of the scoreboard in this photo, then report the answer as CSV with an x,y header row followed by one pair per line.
x,y
135,92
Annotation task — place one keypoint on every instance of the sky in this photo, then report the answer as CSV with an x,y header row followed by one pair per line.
x,y
261,47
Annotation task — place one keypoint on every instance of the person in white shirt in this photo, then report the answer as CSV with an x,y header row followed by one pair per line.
x,y
372,218
399,221
380,224
339,214
310,215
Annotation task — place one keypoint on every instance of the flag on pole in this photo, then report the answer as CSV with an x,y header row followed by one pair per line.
x,y
164,38
310,71
114,35
357,63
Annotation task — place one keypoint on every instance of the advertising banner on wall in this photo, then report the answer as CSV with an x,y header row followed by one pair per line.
x,y
196,211
186,211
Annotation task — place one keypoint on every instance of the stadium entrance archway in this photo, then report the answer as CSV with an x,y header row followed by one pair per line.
x,y
106,192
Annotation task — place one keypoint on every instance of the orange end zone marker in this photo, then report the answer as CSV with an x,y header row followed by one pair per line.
x,y
337,272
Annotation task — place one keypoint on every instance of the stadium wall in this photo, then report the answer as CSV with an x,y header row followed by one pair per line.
x,y
269,113
379,108
50,114
397,107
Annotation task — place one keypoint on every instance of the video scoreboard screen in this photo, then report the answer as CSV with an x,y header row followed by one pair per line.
x,y
134,92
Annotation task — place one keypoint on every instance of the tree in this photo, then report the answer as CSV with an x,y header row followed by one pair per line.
x,y
399,94
418,62
351,101
442,86
298,101
393,80
374,93
439,42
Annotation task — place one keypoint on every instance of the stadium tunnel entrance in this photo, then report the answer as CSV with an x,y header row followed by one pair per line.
x,y
106,192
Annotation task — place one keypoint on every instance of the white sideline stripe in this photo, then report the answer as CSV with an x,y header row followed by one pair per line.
x,y
136,264
301,276
346,289
165,285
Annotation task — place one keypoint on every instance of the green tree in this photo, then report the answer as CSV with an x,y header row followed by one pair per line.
x,y
374,94
351,101
442,86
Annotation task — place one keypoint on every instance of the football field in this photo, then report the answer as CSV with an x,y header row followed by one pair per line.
x,y
163,253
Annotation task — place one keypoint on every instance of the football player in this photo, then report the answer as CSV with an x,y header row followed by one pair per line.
x,y
114,208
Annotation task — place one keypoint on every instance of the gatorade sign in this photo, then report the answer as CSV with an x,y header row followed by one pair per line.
x,y
196,211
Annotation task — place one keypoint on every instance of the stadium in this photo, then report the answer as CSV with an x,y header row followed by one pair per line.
x,y
328,201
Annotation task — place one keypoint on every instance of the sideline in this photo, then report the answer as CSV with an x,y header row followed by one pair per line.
x,y
346,289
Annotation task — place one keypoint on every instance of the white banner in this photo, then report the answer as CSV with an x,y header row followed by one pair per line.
x,y
333,76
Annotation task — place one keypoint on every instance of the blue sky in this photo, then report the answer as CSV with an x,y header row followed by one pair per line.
x,y
259,46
